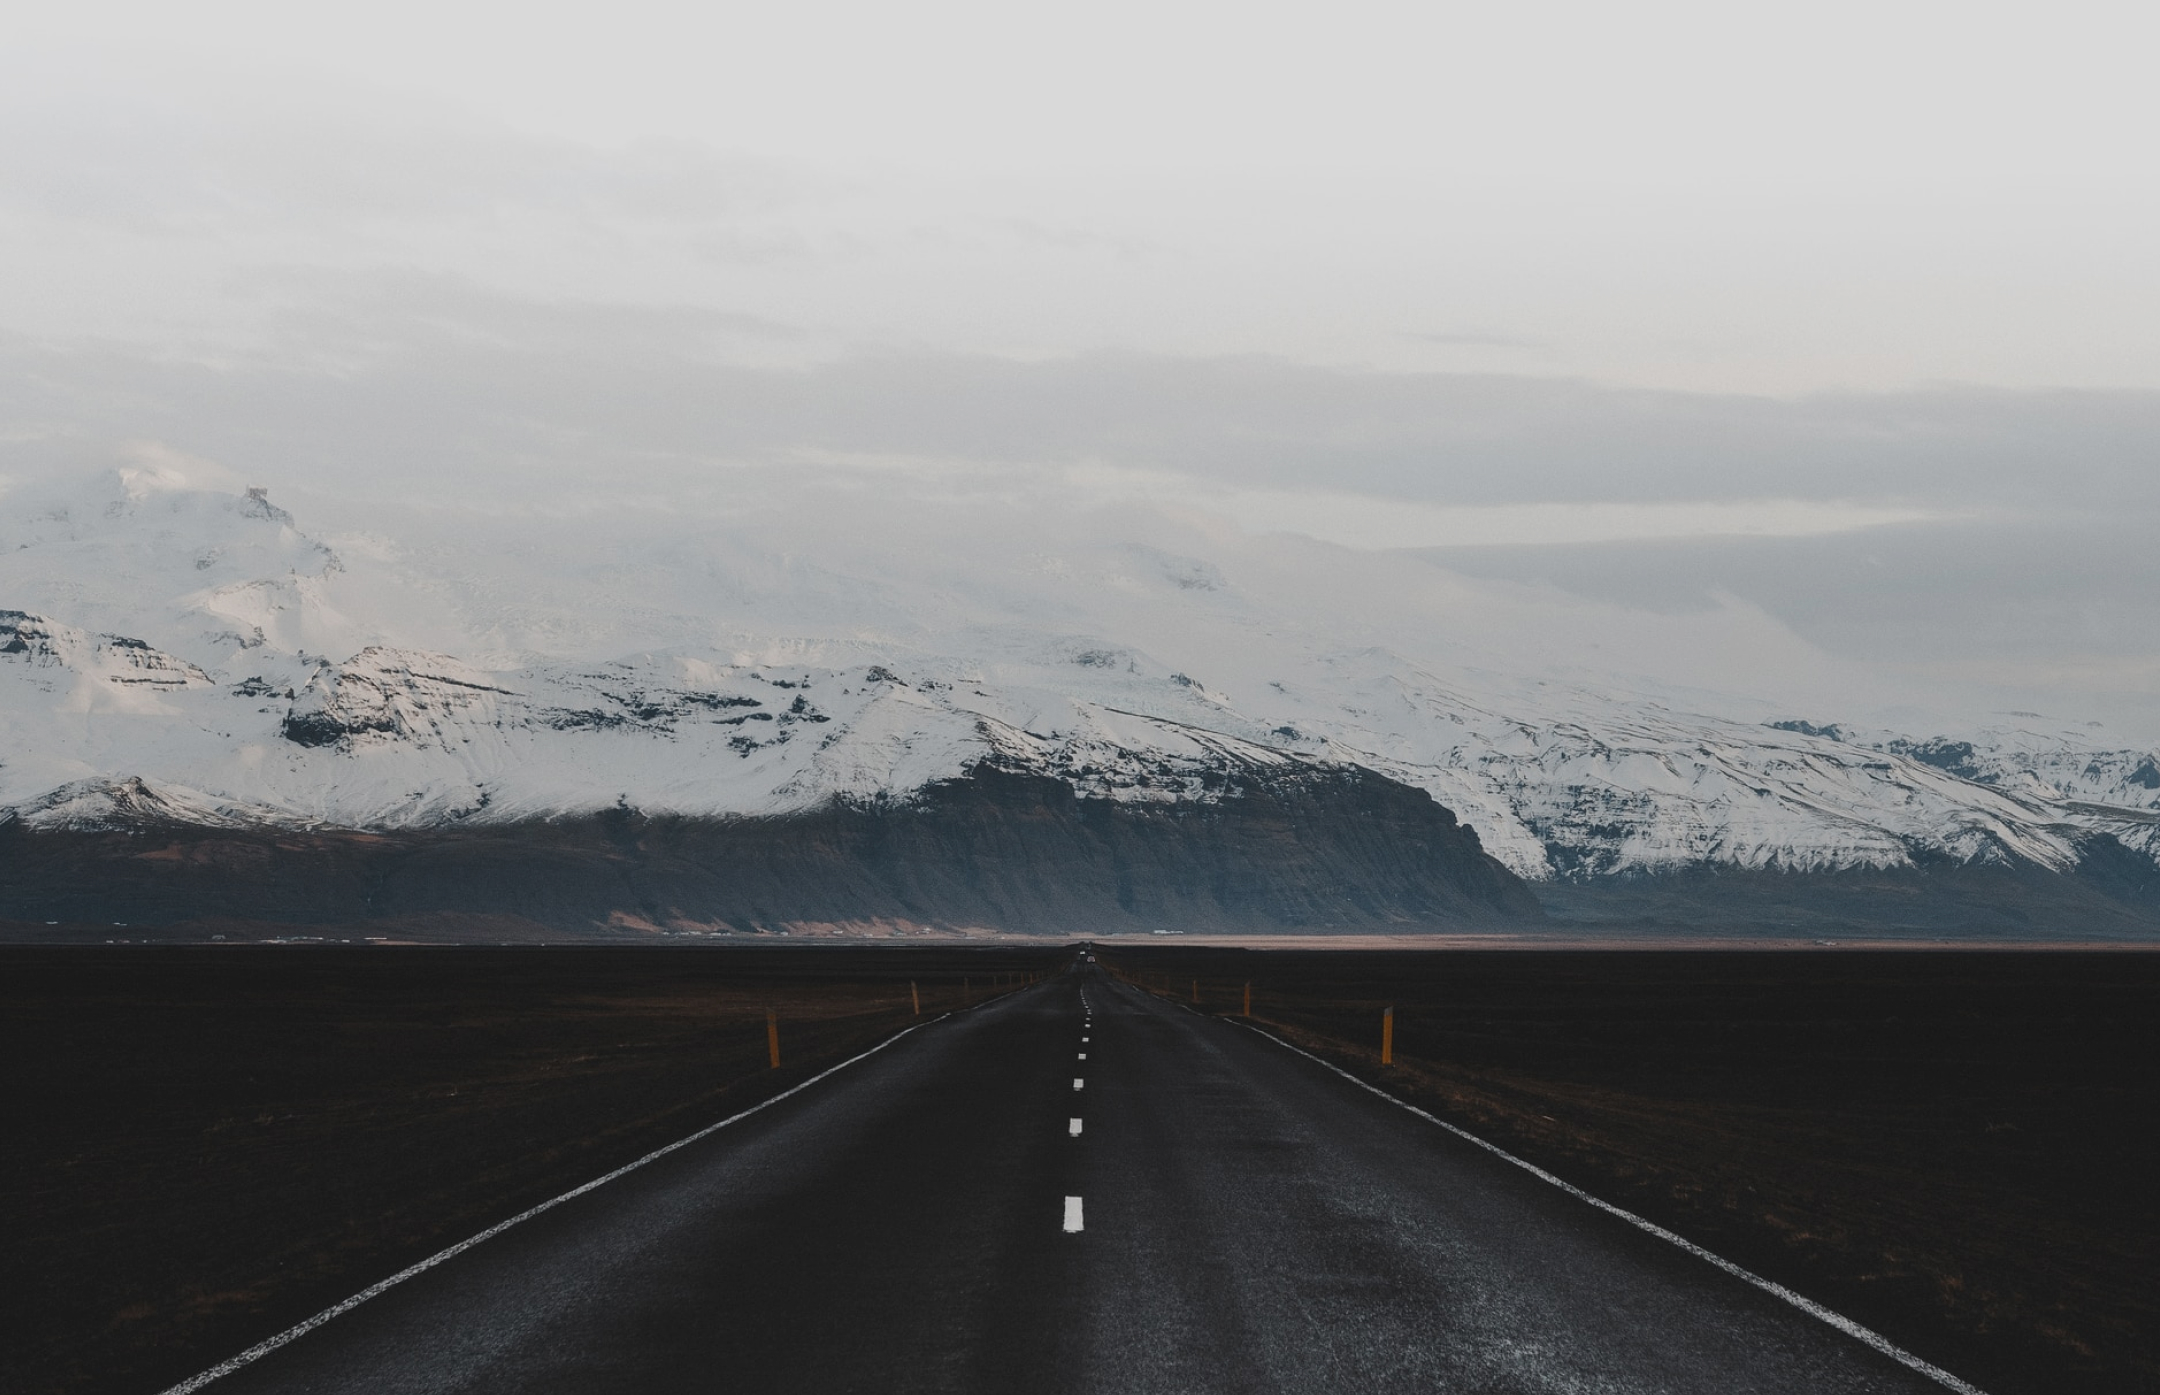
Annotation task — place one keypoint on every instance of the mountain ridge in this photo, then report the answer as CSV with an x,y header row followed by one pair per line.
x,y
1320,848
223,725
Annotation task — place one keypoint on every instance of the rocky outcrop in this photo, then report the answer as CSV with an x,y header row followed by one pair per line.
x,y
392,694
40,642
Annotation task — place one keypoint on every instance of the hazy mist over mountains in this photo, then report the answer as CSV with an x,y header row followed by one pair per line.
x,y
1965,585
1819,387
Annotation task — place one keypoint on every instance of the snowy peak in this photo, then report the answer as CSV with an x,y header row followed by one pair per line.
x,y
99,805
1113,754
199,567
2087,784
50,655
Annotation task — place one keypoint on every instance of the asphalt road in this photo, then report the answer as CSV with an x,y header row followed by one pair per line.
x,y
1249,1222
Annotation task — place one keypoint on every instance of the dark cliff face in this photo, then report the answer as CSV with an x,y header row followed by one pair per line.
x,y
1322,848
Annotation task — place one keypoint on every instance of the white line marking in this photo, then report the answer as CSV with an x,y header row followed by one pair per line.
x,y
1074,1129
1844,1324
265,1347
1072,1215
1078,1082
1083,1055
1083,1041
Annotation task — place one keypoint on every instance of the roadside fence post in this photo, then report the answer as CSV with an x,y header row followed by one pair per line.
x,y
916,994
1248,1000
772,1036
1387,1037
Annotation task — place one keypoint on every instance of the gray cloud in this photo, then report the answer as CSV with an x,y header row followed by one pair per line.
x,y
1474,339
393,366
423,385
344,285
371,319
2060,606
174,162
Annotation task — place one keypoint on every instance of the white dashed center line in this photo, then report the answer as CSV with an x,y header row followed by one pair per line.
x,y
1073,1223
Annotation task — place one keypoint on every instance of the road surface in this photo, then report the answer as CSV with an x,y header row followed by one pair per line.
x,y
1225,1215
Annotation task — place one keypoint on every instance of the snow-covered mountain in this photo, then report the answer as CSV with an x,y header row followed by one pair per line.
x,y
182,649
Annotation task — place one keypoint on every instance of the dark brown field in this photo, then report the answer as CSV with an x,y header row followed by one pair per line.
x,y
205,1145
1958,1149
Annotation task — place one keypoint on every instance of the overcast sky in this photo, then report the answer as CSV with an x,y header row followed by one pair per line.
x,y
1848,311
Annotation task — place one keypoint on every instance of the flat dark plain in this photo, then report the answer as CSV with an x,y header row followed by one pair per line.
x,y
207,1144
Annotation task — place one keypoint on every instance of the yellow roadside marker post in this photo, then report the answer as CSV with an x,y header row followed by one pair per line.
x,y
916,995
1248,1000
1196,990
772,1036
1387,1037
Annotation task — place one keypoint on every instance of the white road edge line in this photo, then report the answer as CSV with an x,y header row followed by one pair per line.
x,y
1846,1325
1072,1216
265,1347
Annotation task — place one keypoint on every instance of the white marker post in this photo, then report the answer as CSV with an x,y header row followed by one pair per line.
x,y
1073,1224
